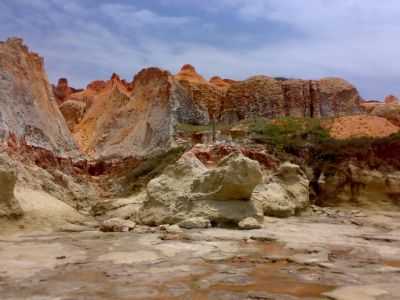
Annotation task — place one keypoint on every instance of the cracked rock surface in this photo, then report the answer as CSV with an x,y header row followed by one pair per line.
x,y
320,256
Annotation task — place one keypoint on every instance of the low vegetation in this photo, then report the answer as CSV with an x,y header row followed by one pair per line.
x,y
306,140
289,135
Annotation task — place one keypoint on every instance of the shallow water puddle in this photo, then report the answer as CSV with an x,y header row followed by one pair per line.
x,y
263,275
269,278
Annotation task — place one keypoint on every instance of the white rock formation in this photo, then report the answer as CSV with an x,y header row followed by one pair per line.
x,y
188,189
284,193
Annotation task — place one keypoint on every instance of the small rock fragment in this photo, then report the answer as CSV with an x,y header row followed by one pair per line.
x,y
171,228
117,225
249,223
196,222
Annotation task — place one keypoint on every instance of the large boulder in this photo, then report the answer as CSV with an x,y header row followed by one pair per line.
x,y
9,206
235,178
284,193
188,190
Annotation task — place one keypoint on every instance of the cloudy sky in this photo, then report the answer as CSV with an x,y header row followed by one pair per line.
x,y
89,39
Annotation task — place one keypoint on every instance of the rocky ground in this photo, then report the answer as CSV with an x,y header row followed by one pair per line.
x,y
81,165
325,254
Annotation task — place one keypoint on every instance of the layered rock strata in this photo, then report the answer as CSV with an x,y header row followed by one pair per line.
x,y
262,96
356,186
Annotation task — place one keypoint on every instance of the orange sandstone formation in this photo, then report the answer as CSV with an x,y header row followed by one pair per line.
x,y
202,93
222,84
189,73
136,119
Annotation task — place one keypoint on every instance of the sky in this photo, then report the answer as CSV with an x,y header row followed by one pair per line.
x,y
84,40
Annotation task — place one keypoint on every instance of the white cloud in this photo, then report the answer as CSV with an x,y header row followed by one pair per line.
x,y
133,17
355,39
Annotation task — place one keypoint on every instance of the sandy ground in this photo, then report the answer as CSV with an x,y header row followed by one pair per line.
x,y
42,212
336,255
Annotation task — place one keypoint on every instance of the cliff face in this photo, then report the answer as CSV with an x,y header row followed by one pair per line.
x,y
337,97
262,96
28,111
134,121
259,96
115,118
202,93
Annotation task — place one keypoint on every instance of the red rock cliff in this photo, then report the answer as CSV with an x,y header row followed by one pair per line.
x,y
263,96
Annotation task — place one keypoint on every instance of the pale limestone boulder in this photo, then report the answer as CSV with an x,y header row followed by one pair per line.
x,y
188,189
284,193
235,178
9,206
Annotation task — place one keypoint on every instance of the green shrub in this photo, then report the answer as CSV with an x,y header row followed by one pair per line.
x,y
289,134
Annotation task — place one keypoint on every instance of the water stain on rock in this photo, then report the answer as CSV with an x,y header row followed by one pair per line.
x,y
392,263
